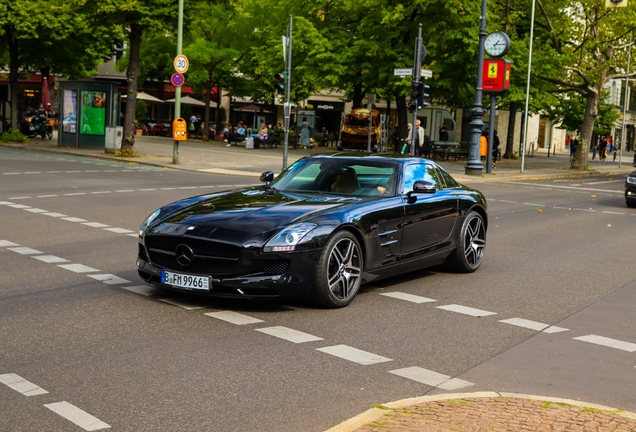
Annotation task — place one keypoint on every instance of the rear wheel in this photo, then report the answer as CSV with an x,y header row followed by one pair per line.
x,y
338,272
471,245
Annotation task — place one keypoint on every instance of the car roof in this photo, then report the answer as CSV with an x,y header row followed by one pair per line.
x,y
360,155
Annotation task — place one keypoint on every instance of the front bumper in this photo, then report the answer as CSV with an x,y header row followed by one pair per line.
x,y
630,191
295,282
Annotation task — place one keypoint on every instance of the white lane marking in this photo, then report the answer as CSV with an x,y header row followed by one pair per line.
x,y
78,268
288,334
25,251
182,304
555,329
54,172
119,230
125,190
75,415
133,235
95,224
73,172
234,317
168,188
5,202
109,171
520,322
608,342
10,173
53,214
19,384
466,310
7,243
609,212
353,354
91,171
20,197
32,172
75,193
147,189
36,210
50,259
566,187
74,219
144,290
46,196
606,181
101,192
110,279
585,210
531,204
188,187
431,378
19,206
510,202
408,297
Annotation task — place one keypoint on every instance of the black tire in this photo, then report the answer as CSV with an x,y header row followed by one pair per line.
x,y
469,254
338,272
631,203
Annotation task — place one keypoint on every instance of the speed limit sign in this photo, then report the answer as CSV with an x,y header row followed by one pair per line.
x,y
181,63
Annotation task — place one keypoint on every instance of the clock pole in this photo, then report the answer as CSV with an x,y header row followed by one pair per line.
x,y
474,166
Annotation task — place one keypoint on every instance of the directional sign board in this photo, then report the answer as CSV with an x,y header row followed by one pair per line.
x,y
181,63
177,80
426,73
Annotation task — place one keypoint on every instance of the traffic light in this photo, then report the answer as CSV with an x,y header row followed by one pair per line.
x,y
281,81
418,93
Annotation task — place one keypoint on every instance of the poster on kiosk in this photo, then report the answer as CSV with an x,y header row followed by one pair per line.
x,y
495,76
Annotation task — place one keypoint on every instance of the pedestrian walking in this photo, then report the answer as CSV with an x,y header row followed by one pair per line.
x,y
495,149
305,134
574,142
602,148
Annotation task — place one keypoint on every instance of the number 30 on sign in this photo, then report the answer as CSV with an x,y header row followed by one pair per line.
x,y
181,63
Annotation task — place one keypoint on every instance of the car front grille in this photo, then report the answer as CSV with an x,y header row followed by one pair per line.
x,y
276,267
203,248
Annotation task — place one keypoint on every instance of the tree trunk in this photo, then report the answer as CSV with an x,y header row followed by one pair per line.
x,y
587,130
357,96
131,81
217,120
206,113
14,55
509,154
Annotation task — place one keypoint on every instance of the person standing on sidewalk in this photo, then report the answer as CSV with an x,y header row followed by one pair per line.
x,y
305,133
574,142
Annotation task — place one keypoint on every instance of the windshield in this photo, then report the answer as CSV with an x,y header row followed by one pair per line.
x,y
340,176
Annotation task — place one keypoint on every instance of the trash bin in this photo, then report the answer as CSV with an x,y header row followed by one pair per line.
x,y
249,143
114,135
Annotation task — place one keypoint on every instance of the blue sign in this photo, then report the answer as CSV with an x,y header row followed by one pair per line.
x,y
177,79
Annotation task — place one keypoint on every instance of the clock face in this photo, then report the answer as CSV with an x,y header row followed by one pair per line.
x,y
497,44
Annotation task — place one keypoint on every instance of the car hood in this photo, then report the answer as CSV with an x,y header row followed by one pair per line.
x,y
249,211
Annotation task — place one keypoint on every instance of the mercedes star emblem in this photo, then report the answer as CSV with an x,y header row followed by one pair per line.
x,y
184,254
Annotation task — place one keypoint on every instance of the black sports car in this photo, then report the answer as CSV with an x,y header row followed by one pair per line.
x,y
630,190
325,226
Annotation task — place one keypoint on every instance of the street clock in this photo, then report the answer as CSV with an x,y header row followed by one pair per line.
x,y
497,44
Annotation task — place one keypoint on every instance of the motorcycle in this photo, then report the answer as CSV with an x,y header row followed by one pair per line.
x,y
41,128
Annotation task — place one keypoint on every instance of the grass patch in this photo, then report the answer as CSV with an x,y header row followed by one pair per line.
x,y
14,135
382,407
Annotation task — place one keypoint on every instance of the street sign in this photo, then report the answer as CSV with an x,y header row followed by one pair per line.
x,y
181,63
177,79
425,73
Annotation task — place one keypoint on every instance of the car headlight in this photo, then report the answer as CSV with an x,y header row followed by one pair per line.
x,y
631,180
148,221
288,238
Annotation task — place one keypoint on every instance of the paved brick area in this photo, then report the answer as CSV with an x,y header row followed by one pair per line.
x,y
499,414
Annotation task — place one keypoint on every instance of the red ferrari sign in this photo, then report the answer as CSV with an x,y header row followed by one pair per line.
x,y
495,76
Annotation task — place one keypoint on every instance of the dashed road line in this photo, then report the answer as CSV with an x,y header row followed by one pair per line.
x,y
466,310
78,268
110,279
36,210
555,329
288,334
75,415
19,384
119,230
520,322
408,297
18,206
354,355
187,305
616,213
101,192
95,224
144,290
49,259
46,196
25,251
431,378
75,194
234,317
74,219
7,243
54,214
608,342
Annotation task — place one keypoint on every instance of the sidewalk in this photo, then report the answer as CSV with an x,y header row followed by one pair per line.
x,y
485,411
215,157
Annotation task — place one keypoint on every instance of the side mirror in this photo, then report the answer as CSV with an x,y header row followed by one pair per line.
x,y
421,186
267,177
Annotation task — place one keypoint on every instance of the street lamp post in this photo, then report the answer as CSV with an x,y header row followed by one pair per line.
x,y
625,102
474,166
525,118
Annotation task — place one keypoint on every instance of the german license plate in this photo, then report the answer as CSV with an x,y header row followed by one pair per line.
x,y
188,282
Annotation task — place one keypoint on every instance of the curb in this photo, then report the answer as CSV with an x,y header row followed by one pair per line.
x,y
374,414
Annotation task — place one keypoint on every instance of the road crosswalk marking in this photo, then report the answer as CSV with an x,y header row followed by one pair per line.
x,y
234,317
19,384
288,334
354,355
75,415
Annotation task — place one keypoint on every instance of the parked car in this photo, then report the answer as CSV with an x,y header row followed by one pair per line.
x,y
325,226
630,190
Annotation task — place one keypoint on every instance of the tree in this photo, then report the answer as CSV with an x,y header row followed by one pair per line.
x,y
137,18
581,46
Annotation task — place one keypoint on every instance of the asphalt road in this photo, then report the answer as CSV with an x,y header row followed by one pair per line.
x,y
109,352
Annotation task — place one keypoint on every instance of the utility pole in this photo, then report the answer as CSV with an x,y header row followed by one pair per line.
x,y
417,72
288,60
177,92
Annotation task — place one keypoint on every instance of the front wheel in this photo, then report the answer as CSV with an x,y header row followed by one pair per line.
x,y
631,203
471,245
338,272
